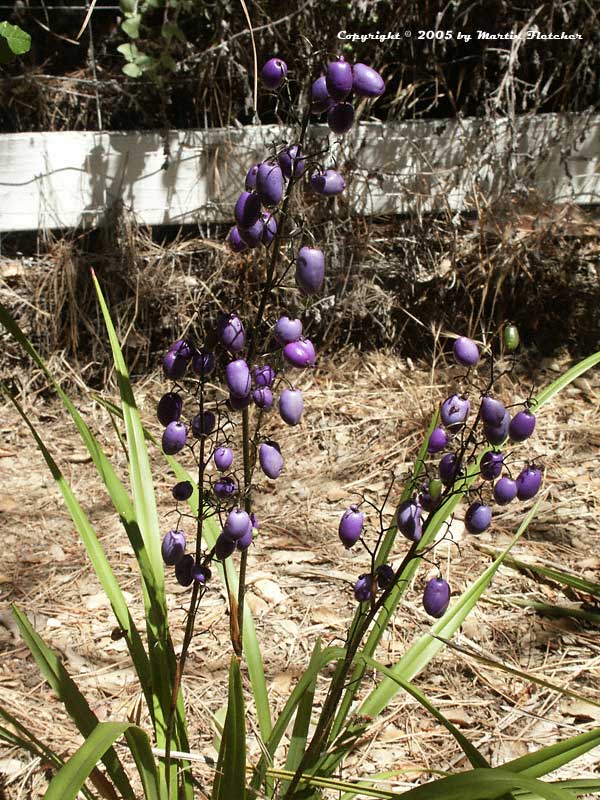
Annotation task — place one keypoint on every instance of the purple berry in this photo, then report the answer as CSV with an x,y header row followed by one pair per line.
x,y
237,524
437,440
436,597
340,117
236,403
492,411
254,520
362,588
244,542
173,547
184,570
300,354
366,81
320,98
230,331
291,161
174,438
203,363
182,490
449,468
225,488
273,73
291,406
264,376
270,458
251,177
203,424
182,348
287,330
351,525
505,490
466,351
408,520
496,434
339,79
169,408
201,574
223,458
263,397
521,426
247,209
224,547
269,224
253,235
430,496
310,269
269,183
385,575
528,482
174,366
478,518
237,244
454,411
327,183
491,465
237,375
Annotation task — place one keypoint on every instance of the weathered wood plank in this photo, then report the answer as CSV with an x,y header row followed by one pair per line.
x,y
65,180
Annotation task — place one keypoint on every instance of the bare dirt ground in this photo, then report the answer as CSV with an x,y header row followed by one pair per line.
x,y
364,417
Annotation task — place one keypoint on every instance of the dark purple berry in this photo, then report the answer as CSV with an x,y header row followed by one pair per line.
x,y
265,375
182,490
521,426
287,330
430,495
351,525
230,331
247,209
223,458
491,465
327,183
251,177
224,547
528,482
454,411
478,518
492,411
310,269
437,440
244,542
269,224
173,547
339,79
269,183
203,363
182,348
237,244
174,438
236,403
320,98
263,397
291,406
225,487
253,235
496,434
466,351
449,468
505,490
169,408
436,597
237,375
184,570
237,524
340,117
362,588
270,458
273,73
201,574
291,161
385,575
366,82
300,354
408,520
174,366
203,424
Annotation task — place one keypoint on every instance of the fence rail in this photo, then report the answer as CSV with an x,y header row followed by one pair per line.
x,y
68,180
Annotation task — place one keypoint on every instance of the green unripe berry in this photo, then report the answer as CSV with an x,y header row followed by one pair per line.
x,y
511,337
435,488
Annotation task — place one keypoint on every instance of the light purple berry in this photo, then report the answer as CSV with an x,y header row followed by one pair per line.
x,y
408,520
225,487
182,348
244,542
496,434
270,458
174,366
448,468
436,597
223,458
237,524
320,98
478,518
339,79
362,588
300,354
466,351
454,411
237,375
173,547
253,234
366,82
528,482
492,411
201,574
263,397
291,406
351,526
310,269
505,490
491,465
328,182
237,244
269,183
269,224
287,330
291,161
230,331
521,426
273,73
437,440
251,177
174,438
264,375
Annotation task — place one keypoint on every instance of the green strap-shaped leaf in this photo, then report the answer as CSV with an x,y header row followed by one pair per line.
x,y
230,776
68,693
547,759
569,376
69,779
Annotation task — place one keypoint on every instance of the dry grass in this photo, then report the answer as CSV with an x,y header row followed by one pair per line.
x,y
364,418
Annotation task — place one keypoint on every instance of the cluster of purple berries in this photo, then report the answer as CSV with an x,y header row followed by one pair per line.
x,y
498,427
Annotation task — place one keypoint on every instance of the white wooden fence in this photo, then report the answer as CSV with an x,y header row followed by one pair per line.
x,y
66,180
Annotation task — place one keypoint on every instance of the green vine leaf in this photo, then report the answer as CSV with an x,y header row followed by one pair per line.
x,y
13,42
131,26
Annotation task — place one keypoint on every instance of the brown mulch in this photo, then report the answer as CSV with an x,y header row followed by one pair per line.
x,y
364,419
